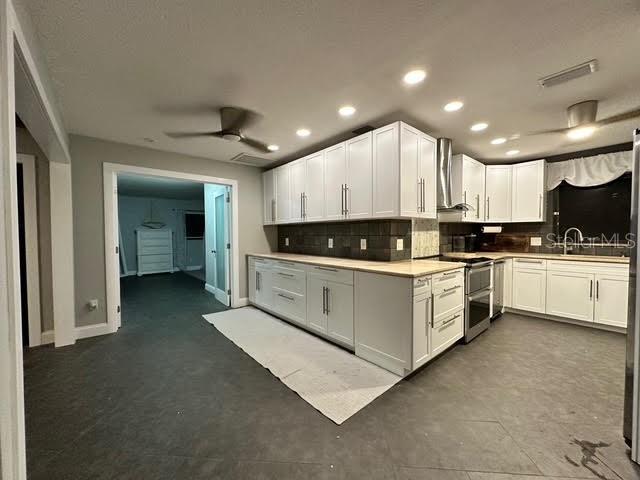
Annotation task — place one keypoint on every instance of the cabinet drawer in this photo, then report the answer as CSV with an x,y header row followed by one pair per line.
x,y
332,274
154,234
291,280
290,305
447,280
530,263
446,331
155,267
421,285
154,250
255,261
154,259
447,301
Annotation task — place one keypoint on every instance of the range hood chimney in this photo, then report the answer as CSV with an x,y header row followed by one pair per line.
x,y
445,178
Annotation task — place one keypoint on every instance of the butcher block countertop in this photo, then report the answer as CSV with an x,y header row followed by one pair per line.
x,y
543,256
402,268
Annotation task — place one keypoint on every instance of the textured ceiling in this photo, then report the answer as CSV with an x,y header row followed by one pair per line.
x,y
128,70
157,187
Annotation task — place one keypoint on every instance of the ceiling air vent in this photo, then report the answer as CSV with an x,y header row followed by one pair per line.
x,y
569,74
245,159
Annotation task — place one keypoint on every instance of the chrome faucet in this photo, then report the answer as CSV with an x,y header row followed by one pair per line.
x,y
564,243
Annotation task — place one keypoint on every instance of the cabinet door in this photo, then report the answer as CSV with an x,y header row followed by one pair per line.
x,y
359,171
283,202
498,193
473,189
340,312
385,171
316,315
427,172
570,295
269,197
529,290
410,184
528,192
421,329
264,287
508,283
612,295
335,177
314,187
253,282
297,182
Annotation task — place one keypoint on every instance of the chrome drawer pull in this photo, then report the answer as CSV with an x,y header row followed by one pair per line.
x,y
326,269
447,322
446,274
286,274
287,297
522,260
451,289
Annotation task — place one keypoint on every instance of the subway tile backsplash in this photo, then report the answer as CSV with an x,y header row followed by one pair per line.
x,y
381,239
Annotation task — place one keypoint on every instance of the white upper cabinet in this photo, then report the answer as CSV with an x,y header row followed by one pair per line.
x,y
428,175
269,197
283,201
498,193
385,171
359,176
410,179
473,178
297,174
335,179
313,197
528,192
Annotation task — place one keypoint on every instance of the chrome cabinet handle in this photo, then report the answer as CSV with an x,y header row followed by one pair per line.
x,y
447,322
424,196
597,289
488,210
287,297
428,321
432,301
446,274
522,260
451,289
326,269
540,206
289,275
342,197
324,305
464,200
478,205
327,294
347,201
273,210
257,281
590,289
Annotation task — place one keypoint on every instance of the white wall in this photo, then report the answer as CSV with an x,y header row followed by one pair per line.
x,y
133,211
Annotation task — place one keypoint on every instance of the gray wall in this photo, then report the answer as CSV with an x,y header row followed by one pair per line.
x,y
26,144
88,155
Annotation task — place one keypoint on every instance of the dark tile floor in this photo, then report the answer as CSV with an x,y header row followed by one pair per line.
x,y
168,397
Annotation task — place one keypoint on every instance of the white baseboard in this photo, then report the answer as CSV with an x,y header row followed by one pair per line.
x,y
210,288
544,316
193,267
128,273
242,302
93,330
47,337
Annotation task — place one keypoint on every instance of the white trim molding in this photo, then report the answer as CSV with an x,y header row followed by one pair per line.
x,y
47,337
242,302
88,331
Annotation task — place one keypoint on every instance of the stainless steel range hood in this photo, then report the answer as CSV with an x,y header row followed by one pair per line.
x,y
447,201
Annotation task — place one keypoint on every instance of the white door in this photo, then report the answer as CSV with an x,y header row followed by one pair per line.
x,y
269,200
410,179
335,178
283,202
529,290
340,312
498,192
427,173
612,293
223,247
528,192
316,304
570,295
385,171
210,270
421,327
314,187
359,172
297,185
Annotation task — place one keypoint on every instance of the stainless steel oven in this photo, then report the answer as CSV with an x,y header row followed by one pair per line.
x,y
479,297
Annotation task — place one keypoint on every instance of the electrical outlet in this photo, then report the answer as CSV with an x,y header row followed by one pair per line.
x,y
400,244
330,243
535,241
286,241
363,244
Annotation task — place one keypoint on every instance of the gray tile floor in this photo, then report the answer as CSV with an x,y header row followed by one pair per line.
x,y
168,397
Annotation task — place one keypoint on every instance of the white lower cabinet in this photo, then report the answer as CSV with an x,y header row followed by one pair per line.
x,y
422,315
529,289
570,295
264,285
446,331
611,299
330,309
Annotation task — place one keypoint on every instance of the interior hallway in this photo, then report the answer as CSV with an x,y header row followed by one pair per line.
x,y
168,397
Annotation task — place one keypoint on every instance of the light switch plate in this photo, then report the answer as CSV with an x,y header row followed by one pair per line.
x,y
330,243
536,241
363,244
400,244
286,241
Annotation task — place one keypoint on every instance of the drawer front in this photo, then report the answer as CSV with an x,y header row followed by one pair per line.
x,y
290,305
588,267
154,259
445,280
447,331
530,263
154,250
338,275
255,261
289,279
154,235
421,286
447,301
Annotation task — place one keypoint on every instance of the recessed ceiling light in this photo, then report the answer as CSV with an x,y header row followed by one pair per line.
x,y
580,133
513,152
347,110
414,76
303,132
273,148
498,141
478,127
453,106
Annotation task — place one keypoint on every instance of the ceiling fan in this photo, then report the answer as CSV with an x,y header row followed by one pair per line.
x,y
581,119
233,121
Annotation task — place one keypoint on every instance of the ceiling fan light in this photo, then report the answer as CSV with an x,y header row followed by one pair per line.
x,y
580,133
273,148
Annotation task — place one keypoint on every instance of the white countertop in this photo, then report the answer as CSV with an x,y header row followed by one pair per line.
x,y
543,256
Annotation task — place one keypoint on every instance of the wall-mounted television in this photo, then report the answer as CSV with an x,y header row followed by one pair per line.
x,y
194,224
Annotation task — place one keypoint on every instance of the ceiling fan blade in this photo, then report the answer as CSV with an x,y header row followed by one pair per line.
x,y
620,117
190,134
235,119
548,132
255,144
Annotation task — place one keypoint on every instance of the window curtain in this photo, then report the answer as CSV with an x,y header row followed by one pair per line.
x,y
589,171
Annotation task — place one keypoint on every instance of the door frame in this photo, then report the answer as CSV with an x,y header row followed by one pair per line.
x,y
221,295
31,243
111,243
